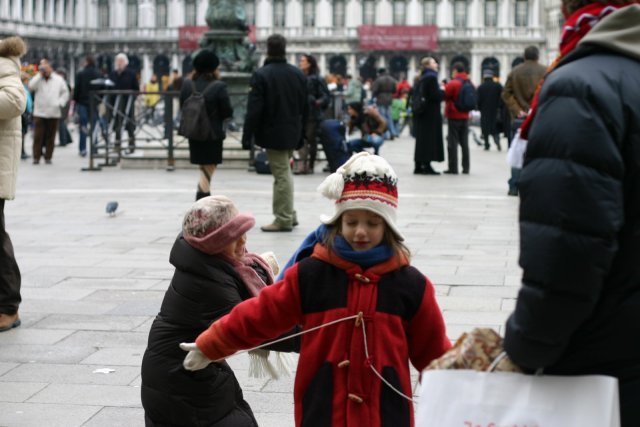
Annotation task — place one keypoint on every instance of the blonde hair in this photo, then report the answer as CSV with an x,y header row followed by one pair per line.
x,y
397,246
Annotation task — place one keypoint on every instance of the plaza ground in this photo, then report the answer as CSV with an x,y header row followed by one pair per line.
x,y
92,283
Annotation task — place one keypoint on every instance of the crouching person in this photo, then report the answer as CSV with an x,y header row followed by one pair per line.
x,y
214,272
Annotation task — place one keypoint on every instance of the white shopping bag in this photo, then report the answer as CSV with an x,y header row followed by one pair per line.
x,y
465,398
517,150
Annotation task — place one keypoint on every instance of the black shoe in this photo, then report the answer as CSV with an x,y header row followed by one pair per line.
x,y
465,172
24,156
200,195
498,146
486,147
448,172
513,193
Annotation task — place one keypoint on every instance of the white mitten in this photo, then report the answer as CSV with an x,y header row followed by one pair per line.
x,y
195,359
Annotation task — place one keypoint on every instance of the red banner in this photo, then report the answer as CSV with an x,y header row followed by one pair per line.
x,y
398,37
188,37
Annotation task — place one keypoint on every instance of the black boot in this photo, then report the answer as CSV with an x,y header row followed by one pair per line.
x,y
201,194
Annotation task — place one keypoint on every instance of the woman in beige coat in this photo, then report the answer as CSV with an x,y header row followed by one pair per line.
x,y
12,105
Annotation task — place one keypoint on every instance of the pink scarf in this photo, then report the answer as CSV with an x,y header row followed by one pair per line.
x,y
248,274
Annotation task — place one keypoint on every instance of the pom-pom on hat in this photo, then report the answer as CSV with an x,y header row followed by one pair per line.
x,y
365,181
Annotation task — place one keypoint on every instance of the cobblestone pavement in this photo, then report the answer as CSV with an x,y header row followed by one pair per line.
x,y
92,284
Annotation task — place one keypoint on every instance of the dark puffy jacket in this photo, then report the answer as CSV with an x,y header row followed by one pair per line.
x,y
578,311
277,107
203,289
83,84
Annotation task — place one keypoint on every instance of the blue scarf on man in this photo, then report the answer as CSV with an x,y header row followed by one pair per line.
x,y
364,259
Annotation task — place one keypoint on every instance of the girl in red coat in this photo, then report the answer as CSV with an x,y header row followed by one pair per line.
x,y
383,312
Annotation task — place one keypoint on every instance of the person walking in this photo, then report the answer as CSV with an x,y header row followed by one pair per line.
x,y
82,99
578,310
489,98
458,131
124,112
517,95
51,95
214,272
382,90
13,102
277,111
384,314
354,92
206,80
319,100
427,119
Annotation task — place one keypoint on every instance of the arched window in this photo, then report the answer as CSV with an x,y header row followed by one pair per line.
x,y
429,12
278,13
308,13
132,13
368,12
460,13
490,13
399,12
338,13
522,13
161,13
103,13
190,10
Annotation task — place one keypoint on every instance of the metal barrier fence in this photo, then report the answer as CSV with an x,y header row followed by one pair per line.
x,y
120,122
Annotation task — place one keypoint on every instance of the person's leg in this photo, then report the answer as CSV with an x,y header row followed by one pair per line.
x,y
83,119
313,144
485,137
38,137
452,148
51,126
376,142
204,183
496,139
282,188
9,278
464,144
355,145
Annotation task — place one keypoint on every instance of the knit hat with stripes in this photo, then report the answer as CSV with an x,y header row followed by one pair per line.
x,y
365,181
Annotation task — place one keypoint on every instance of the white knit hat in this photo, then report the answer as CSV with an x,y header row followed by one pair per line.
x,y
365,181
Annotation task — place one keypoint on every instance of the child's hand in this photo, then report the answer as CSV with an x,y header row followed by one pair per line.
x,y
195,359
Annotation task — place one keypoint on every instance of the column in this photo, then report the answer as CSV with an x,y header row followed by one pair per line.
x,y
175,62
353,66
412,72
353,14
203,5
444,67
445,13
476,76
534,13
322,64
324,14
147,68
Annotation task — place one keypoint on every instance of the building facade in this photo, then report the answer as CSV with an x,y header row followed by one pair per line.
x,y
480,33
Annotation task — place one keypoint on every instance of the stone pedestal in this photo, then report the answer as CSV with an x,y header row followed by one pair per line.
x,y
238,88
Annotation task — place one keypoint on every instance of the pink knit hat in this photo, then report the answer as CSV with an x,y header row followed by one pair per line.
x,y
213,223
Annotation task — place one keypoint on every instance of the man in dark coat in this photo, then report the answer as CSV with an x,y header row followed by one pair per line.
x,y
124,78
458,132
427,119
277,110
383,89
578,311
489,98
82,98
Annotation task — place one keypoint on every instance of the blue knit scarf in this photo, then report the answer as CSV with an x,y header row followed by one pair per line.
x,y
364,259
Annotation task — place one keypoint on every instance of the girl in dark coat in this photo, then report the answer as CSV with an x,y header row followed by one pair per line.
x,y
427,119
208,154
214,273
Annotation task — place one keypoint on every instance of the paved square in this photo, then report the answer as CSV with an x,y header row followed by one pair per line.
x,y
93,283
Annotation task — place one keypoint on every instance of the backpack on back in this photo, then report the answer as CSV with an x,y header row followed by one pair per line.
x,y
467,98
195,122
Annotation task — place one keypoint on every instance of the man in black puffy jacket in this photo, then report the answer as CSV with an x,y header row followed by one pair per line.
x,y
277,110
578,311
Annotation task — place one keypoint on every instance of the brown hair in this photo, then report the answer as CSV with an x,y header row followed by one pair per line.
x,y
397,247
573,5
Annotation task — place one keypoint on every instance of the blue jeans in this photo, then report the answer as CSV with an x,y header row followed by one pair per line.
x,y
385,112
83,115
357,145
